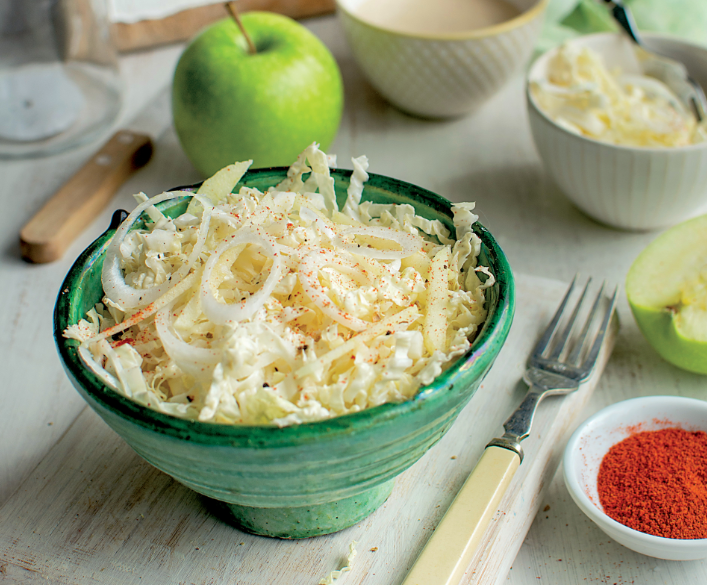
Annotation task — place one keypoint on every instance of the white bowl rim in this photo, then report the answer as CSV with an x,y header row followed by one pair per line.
x,y
522,19
619,147
590,508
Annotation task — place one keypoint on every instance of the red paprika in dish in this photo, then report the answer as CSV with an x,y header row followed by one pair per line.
x,y
656,482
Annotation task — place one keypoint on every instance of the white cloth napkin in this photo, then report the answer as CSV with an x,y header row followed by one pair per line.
x,y
129,11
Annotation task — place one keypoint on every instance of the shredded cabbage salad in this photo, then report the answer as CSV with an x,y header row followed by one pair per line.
x,y
336,574
279,308
583,96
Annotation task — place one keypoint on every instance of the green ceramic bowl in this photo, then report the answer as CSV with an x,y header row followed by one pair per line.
x,y
303,480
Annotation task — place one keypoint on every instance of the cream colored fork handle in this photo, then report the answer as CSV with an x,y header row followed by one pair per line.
x,y
451,547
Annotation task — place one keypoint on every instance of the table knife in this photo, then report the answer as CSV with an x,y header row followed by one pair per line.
x,y
72,208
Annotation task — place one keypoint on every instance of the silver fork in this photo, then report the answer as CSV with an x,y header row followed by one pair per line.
x,y
547,373
558,365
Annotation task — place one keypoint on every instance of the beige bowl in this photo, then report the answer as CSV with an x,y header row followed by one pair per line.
x,y
442,75
623,186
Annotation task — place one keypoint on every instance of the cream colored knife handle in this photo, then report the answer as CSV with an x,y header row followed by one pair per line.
x,y
47,235
451,547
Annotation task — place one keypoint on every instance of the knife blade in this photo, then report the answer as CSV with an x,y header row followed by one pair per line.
x,y
75,205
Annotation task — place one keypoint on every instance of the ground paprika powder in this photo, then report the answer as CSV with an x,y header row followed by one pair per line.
x,y
656,482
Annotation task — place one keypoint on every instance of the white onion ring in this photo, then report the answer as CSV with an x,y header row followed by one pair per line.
x,y
222,313
193,360
87,357
308,274
409,243
114,285
226,217
113,359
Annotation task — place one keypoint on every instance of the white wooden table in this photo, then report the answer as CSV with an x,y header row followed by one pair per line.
x,y
488,157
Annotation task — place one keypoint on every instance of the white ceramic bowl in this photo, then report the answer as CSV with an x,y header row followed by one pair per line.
x,y
625,187
442,75
591,441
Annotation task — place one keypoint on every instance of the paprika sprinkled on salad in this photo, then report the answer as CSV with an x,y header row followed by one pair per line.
x,y
656,482
279,308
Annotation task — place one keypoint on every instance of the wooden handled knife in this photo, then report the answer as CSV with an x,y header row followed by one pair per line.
x,y
72,208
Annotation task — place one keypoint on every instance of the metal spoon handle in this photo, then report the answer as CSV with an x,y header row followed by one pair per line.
x,y
623,16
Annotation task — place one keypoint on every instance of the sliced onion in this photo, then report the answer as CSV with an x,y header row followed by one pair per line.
x,y
170,296
114,285
226,217
87,357
193,360
293,256
221,313
308,274
409,243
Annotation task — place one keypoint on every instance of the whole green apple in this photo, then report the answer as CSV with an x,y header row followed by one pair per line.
x,y
667,291
230,105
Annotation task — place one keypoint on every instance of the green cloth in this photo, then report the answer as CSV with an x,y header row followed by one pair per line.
x,y
570,18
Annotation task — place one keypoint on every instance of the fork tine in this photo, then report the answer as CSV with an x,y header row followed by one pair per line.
x,y
593,354
577,350
561,341
543,342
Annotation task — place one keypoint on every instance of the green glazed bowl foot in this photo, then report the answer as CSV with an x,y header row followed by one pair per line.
x,y
304,521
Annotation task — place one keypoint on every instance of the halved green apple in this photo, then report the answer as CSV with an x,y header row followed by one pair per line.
x,y
667,290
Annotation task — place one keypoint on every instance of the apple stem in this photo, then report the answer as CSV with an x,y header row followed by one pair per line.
x,y
231,7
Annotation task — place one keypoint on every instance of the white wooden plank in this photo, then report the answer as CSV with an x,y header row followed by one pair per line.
x,y
93,512
585,553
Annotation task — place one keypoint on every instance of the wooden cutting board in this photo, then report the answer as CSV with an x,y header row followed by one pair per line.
x,y
94,512
183,25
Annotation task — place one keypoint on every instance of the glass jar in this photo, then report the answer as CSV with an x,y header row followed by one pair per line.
x,y
59,80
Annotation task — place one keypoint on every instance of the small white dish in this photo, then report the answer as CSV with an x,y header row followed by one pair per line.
x,y
627,187
595,436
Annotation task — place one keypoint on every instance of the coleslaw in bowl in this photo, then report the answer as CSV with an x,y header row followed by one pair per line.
x,y
635,184
301,479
